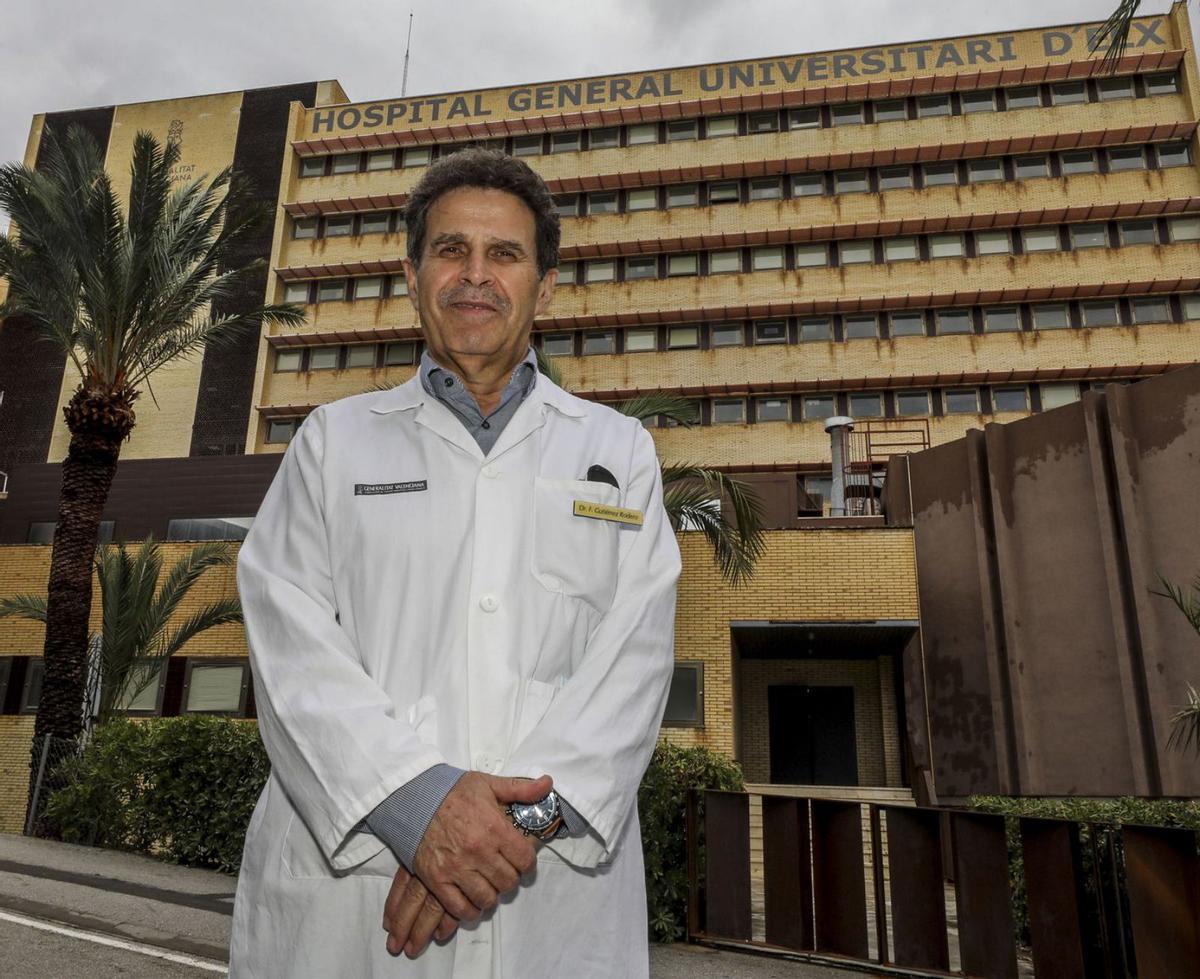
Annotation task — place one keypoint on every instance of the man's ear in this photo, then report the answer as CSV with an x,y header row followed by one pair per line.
x,y
410,279
546,290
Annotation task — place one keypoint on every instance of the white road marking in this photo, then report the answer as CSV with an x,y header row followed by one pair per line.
x,y
90,936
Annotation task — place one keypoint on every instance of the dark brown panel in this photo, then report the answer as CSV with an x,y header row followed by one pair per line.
x,y
727,865
987,945
918,899
1053,880
1162,874
839,882
787,873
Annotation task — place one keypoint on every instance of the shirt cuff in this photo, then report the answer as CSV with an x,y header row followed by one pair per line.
x,y
573,824
403,817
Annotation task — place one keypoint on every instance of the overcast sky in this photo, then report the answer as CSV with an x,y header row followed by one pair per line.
x,y
69,54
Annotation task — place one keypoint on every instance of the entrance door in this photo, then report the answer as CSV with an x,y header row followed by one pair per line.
x,y
812,736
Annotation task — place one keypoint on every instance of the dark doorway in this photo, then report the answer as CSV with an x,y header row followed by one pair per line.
x,y
812,739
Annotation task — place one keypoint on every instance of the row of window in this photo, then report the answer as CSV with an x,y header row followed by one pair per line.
x,y
195,528
727,125
810,184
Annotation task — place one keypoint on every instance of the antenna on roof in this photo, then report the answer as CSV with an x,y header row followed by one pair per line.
x,y
407,48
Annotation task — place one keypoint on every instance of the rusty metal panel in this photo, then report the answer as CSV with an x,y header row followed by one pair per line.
x,y
839,884
987,945
918,899
787,873
1053,881
1162,874
727,865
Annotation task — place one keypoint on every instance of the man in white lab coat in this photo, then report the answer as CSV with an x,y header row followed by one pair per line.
x,y
459,598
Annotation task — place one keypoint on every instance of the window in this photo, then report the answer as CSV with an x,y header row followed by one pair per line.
x,y
287,360
683,337
804,118
421,156
953,321
899,249
281,429
773,409
346,163
683,195
324,358
682,265
690,413
214,688
402,352
720,126
685,699
1051,316
601,271
681,129
724,192
816,328
762,122
209,528
641,267
368,287
1078,161
764,259
862,326
1101,312
31,694
1029,167
808,185
295,292
851,182
641,199
331,290
895,178
558,345
950,245
1126,158
381,160
766,188
938,174
1114,88
726,335
1191,307
604,139
908,323
993,242
1001,319
910,403
304,227
983,100
1151,310
375,223
640,339
729,411
42,531
567,273
141,693
721,262
812,255
1010,399
984,171
856,252
1089,236
642,133
818,488
1023,97
1040,239
599,342
1166,83
340,226
816,407
1183,229
770,331
961,401
1068,93
1138,232
1174,155
566,205
312,166
866,405
890,110
1058,394
564,142
933,105
522,146
847,114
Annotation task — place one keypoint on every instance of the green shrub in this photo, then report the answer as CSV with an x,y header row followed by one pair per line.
x,y
662,811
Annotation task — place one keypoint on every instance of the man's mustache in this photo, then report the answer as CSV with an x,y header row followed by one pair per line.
x,y
469,294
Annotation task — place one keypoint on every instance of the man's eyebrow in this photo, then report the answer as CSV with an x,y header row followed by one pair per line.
x,y
515,246
458,238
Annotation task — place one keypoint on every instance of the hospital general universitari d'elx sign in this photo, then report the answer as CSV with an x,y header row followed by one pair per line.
x,y
740,77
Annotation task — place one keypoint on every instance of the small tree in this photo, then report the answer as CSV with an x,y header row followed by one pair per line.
x,y
1185,723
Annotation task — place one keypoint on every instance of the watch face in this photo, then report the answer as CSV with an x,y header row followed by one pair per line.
x,y
537,815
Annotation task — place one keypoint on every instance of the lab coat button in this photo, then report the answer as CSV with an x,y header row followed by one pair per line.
x,y
490,472
489,603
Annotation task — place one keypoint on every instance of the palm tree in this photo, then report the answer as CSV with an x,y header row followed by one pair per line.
x,y
1185,723
134,641
1114,34
122,292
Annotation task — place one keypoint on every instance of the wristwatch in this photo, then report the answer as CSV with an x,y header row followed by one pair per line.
x,y
542,819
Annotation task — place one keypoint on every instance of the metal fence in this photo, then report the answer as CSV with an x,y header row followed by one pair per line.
x,y
929,891
48,754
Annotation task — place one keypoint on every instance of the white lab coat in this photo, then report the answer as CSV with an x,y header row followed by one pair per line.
x,y
476,621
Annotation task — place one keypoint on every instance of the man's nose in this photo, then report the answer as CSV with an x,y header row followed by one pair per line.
x,y
476,269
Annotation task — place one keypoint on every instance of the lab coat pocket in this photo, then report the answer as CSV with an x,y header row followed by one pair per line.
x,y
575,555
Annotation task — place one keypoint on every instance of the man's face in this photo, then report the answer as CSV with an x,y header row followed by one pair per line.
x,y
477,290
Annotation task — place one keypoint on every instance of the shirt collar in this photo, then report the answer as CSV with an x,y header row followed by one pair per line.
x,y
524,374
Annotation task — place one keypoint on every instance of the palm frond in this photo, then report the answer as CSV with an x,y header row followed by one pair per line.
x,y
1189,605
1113,35
682,411
1185,724
24,606
692,497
